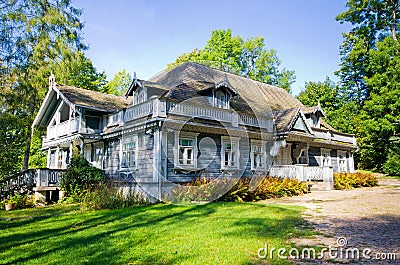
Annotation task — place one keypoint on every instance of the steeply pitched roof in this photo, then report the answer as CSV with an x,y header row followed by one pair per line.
x,y
190,73
92,99
187,79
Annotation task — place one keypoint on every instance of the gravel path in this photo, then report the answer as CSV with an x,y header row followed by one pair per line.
x,y
365,217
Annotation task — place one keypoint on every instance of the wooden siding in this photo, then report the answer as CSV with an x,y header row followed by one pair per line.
x,y
314,156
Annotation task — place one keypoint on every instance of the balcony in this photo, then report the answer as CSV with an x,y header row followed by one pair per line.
x,y
162,108
62,129
304,173
333,136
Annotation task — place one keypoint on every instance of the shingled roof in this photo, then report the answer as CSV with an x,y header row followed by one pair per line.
x,y
92,99
188,78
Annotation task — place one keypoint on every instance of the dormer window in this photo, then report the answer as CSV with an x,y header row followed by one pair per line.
x,y
221,99
140,96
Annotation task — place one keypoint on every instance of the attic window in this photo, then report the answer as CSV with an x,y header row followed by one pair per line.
x,y
140,96
220,99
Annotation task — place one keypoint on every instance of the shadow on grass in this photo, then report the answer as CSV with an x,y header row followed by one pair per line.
x,y
155,234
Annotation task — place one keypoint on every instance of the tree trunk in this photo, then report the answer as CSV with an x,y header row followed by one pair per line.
x,y
28,138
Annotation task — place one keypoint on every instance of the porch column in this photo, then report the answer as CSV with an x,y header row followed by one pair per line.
x,y
82,145
157,161
57,158
48,158
351,162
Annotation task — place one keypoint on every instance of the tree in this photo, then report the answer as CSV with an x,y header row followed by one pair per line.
x,y
379,120
119,83
340,113
33,34
248,58
372,20
77,70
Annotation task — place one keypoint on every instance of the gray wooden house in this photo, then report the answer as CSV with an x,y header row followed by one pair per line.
x,y
193,121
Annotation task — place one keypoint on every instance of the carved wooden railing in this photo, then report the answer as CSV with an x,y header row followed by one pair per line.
x,y
303,173
334,136
189,110
25,180
139,111
62,129
156,107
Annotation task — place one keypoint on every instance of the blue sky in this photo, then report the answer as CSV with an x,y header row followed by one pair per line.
x,y
144,36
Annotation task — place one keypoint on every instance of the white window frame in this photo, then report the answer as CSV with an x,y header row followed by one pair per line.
x,y
140,95
220,102
326,160
342,160
127,149
185,136
234,142
258,148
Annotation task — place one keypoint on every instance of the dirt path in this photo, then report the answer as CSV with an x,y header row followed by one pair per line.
x,y
365,217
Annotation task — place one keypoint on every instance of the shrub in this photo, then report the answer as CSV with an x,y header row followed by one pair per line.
x,y
233,189
20,201
392,164
104,196
354,180
81,177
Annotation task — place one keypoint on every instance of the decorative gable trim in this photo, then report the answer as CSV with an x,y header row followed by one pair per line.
x,y
225,83
134,85
300,115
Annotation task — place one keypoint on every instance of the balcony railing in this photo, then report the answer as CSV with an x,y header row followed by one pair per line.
x,y
183,109
139,111
27,179
334,136
303,173
62,129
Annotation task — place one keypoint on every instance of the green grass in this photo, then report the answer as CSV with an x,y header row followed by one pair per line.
x,y
215,233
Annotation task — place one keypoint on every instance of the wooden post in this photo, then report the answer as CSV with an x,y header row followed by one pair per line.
x,y
157,161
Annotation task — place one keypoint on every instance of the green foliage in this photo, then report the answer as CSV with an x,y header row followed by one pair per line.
x,y
20,201
248,58
78,70
354,180
38,159
239,190
104,196
119,83
33,35
392,164
380,118
81,177
12,140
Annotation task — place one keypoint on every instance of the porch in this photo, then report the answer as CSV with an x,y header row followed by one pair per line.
x,y
44,182
319,177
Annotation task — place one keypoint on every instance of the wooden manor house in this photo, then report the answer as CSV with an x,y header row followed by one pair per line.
x,y
187,122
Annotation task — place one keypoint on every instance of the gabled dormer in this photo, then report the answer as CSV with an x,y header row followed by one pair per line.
x,y
314,115
141,90
221,93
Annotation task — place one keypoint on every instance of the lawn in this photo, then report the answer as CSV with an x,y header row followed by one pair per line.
x,y
215,233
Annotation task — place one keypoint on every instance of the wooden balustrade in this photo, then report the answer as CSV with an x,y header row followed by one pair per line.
x,y
138,111
334,136
303,173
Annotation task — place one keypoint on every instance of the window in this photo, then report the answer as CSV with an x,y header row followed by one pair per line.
x,y
220,99
230,152
186,149
258,155
140,96
92,122
129,151
325,157
342,166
